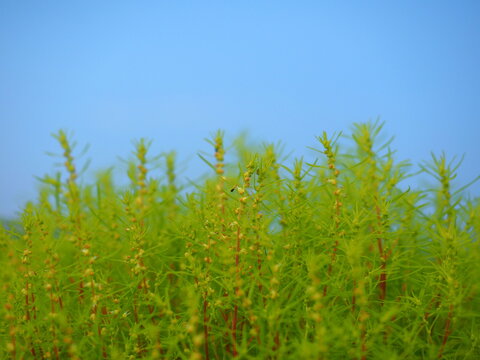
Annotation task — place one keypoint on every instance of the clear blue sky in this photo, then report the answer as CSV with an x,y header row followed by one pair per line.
x,y
175,71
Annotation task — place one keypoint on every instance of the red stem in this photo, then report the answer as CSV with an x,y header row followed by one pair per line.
x,y
234,331
330,266
277,342
447,332
364,345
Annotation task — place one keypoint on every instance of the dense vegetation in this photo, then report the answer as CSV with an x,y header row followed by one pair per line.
x,y
324,260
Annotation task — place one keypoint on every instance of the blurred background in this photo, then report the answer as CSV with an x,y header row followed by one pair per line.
x,y
110,72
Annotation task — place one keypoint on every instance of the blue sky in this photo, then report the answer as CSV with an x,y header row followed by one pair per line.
x,y
176,71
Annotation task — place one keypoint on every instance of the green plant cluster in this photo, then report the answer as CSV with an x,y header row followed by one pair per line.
x,y
332,259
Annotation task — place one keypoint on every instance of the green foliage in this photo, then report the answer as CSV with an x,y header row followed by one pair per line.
x,y
328,260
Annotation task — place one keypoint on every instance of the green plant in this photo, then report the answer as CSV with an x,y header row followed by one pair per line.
x,y
325,260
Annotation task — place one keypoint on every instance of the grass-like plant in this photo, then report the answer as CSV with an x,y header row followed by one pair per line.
x,y
325,260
